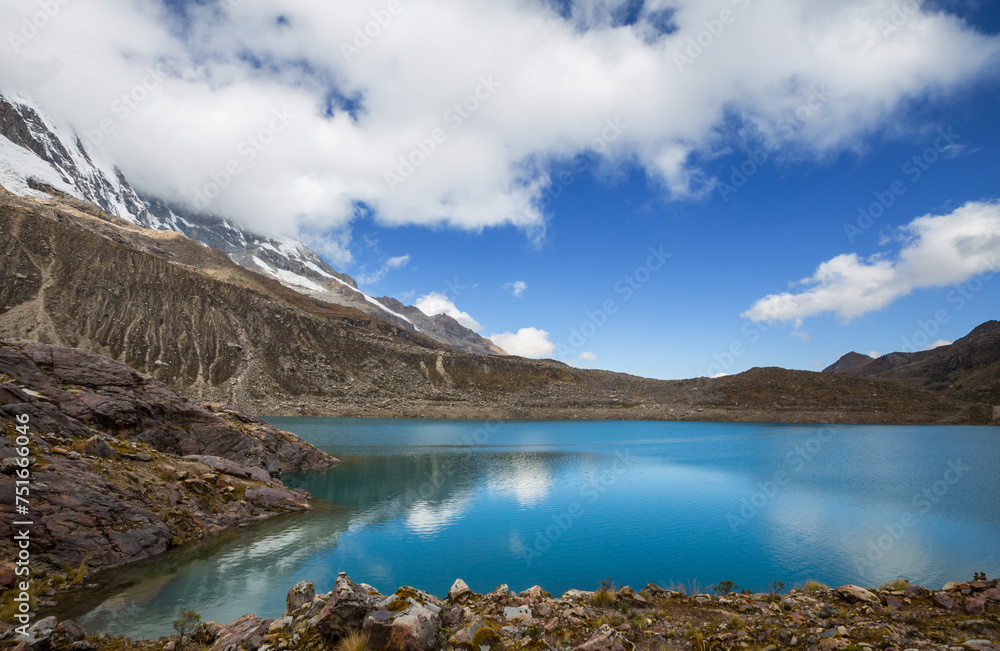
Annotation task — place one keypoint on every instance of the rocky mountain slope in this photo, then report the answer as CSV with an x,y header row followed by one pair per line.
x,y
123,468
443,328
36,152
968,369
210,329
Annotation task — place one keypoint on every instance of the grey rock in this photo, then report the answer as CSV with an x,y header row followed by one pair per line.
x,y
406,621
299,595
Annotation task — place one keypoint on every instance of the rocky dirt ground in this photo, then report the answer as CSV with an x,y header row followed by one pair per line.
x,y
899,617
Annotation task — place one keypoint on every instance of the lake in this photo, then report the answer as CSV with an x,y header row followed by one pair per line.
x,y
568,504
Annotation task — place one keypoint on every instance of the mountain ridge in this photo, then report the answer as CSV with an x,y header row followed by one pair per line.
x,y
212,330
63,163
967,369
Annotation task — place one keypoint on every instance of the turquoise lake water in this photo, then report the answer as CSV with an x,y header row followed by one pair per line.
x,y
567,504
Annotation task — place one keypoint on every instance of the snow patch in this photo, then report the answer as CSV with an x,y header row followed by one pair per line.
x,y
17,165
376,303
289,278
316,268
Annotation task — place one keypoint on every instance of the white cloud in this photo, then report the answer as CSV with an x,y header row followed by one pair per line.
x,y
516,288
527,342
934,251
804,336
938,344
437,303
718,375
559,83
587,356
874,354
376,276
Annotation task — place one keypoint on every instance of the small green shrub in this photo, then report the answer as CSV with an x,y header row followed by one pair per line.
x,y
187,621
724,587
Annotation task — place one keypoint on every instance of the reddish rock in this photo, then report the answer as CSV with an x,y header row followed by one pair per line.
x,y
98,447
892,601
7,573
272,497
993,594
241,631
535,594
855,594
70,630
299,595
975,605
230,467
345,611
605,639
944,601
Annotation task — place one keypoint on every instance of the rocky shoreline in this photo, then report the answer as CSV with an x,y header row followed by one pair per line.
x,y
123,468
353,616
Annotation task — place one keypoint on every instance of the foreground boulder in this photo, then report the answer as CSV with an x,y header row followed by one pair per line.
x,y
247,631
855,594
345,610
405,621
300,594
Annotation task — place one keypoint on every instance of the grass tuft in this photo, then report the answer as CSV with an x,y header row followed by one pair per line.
x,y
354,641
898,584
603,598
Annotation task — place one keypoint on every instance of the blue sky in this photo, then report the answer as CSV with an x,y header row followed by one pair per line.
x,y
729,249
443,145
727,253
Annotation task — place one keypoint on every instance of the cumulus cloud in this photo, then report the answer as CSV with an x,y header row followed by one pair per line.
x,y
718,375
526,342
482,112
587,356
938,344
437,303
934,251
516,288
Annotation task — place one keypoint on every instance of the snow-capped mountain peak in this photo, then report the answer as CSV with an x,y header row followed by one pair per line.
x,y
36,152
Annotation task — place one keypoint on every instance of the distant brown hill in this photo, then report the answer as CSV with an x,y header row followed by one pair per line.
x,y
968,369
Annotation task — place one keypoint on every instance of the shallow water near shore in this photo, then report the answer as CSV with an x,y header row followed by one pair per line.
x,y
567,504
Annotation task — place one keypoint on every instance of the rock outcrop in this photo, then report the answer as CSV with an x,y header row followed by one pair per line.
x,y
109,484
